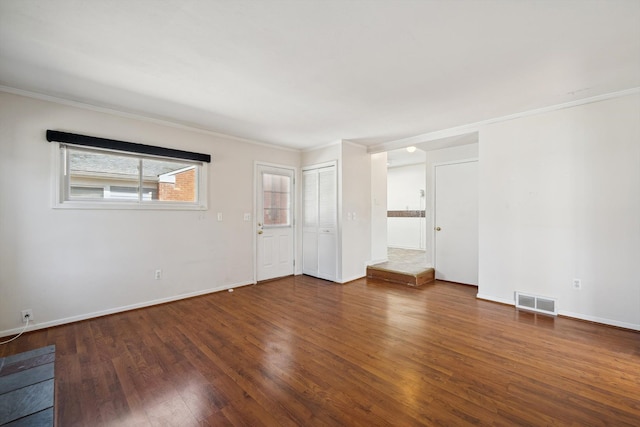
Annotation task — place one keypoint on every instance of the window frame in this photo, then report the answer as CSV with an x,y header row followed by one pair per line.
x,y
288,209
61,187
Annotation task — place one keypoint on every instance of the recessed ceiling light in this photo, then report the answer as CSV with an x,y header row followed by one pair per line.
x,y
411,149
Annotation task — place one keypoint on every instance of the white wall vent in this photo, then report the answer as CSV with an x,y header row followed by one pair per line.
x,y
536,303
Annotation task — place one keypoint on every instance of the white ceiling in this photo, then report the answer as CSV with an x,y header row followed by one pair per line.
x,y
305,73
401,157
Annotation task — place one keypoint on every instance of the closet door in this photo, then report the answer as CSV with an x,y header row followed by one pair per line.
x,y
310,222
319,230
327,223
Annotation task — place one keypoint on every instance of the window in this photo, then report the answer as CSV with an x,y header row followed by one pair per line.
x,y
276,200
103,178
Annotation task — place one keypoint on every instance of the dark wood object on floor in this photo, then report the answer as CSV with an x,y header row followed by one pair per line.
x,y
404,266
27,388
302,351
414,276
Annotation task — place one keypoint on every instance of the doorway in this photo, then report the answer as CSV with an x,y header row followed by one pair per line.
x,y
406,203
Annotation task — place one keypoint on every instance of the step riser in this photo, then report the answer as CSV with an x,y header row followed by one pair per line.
x,y
422,278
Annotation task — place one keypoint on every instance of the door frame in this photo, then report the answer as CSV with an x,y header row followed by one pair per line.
x,y
294,213
433,200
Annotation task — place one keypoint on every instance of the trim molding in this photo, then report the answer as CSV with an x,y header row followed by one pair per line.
x,y
72,319
138,116
351,279
495,299
320,147
378,148
353,144
474,127
596,319
569,314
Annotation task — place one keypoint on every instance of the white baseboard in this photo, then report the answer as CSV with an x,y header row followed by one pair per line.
x,y
596,319
351,279
413,248
580,316
376,261
495,299
49,324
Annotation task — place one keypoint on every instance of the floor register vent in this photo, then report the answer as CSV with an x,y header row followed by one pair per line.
x,y
536,303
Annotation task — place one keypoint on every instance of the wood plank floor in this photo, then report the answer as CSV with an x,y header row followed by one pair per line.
x,y
302,351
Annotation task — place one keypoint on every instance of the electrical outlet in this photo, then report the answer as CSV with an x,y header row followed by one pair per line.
x,y
158,275
28,313
577,284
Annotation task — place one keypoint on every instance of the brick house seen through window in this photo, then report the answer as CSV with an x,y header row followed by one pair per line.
x,y
178,186
107,176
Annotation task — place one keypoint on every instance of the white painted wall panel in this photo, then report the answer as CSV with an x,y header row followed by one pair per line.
x,y
68,264
378,208
560,199
406,233
404,185
356,211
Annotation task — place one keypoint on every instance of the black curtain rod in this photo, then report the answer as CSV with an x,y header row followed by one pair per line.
x,y
131,147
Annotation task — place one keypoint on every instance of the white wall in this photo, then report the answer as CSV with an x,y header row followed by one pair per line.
x,y
378,208
403,186
356,211
435,157
326,154
560,199
71,264
354,204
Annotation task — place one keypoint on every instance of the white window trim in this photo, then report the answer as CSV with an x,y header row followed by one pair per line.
x,y
58,186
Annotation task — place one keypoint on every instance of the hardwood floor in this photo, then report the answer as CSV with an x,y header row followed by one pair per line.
x,y
302,351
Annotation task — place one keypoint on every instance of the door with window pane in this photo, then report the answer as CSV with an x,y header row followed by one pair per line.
x,y
274,222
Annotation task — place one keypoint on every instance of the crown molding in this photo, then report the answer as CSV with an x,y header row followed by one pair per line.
x,y
474,127
140,117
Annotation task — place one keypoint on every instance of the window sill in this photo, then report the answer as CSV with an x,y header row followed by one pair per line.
x,y
130,206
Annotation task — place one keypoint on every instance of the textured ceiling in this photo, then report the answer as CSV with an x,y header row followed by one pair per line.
x,y
303,74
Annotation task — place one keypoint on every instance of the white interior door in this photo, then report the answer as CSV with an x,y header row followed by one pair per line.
x,y
320,222
310,222
274,222
456,222
327,223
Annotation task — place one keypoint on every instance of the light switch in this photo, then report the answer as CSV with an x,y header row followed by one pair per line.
x,y
219,216
247,217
